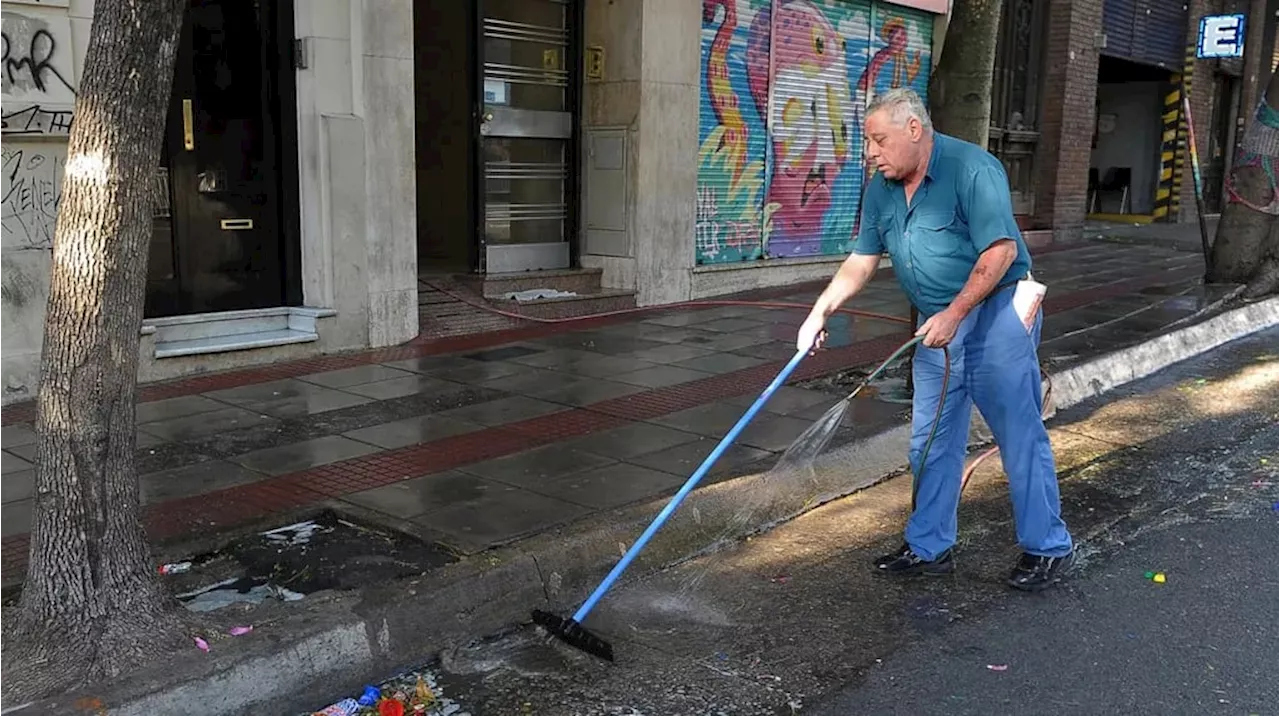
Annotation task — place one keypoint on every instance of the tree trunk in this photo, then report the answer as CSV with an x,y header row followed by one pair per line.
x,y
1244,249
960,90
92,605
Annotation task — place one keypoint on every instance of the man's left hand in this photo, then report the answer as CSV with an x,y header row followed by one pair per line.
x,y
940,328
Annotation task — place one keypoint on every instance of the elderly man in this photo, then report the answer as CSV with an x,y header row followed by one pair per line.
x,y
941,207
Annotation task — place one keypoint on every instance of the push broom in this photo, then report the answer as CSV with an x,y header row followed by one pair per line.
x,y
570,630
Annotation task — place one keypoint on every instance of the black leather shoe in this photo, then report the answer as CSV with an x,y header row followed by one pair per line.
x,y
904,561
1034,573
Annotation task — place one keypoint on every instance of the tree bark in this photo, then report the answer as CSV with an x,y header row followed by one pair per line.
x,y
1244,249
92,606
960,89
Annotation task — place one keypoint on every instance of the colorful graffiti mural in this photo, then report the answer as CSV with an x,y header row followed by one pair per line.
x,y
783,89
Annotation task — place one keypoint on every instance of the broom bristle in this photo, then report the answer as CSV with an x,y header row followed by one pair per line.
x,y
573,634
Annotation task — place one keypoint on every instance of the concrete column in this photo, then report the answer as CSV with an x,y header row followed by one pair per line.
x,y
1069,114
390,176
356,165
638,211
666,178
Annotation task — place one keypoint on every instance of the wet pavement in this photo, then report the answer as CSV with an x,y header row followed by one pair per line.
x,y
483,423
1174,474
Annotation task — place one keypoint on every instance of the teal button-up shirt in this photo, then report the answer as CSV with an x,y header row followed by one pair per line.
x,y
959,210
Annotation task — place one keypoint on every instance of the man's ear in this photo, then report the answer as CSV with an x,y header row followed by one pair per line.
x,y
915,128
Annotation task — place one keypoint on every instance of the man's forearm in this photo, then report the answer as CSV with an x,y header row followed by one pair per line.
x,y
854,273
991,267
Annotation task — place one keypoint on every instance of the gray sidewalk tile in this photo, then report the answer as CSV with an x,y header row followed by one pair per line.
x,y
503,411
190,480
300,456
533,467
412,431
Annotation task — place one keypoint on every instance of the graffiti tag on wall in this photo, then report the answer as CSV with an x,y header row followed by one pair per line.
x,y
784,86
32,189
36,78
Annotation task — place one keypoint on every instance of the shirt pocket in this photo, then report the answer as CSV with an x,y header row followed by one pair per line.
x,y
938,233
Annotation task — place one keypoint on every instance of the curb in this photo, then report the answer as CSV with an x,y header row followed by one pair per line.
x,y
343,640
1094,377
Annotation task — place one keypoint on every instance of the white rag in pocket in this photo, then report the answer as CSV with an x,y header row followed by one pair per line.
x,y
1027,297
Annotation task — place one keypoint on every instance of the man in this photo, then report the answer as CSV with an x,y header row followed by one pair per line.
x,y
941,207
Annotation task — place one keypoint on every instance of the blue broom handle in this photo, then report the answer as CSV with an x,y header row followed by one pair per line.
x,y
691,483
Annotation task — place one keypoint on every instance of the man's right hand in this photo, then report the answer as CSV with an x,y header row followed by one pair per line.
x,y
848,281
813,332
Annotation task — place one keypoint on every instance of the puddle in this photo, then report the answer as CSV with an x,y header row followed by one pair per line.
x,y
527,651
888,387
291,561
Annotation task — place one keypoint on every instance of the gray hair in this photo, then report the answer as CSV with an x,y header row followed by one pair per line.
x,y
902,103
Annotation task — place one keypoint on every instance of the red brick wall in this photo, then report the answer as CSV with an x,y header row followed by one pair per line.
x,y
1070,87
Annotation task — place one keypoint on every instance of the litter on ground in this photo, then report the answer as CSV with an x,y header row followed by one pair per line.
x,y
535,294
409,694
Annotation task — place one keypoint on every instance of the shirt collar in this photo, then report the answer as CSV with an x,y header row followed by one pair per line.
x,y
932,167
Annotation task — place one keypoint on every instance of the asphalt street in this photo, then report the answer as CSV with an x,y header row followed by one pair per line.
x,y
1175,474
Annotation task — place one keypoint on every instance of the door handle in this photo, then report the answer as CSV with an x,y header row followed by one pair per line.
x,y
188,133
236,224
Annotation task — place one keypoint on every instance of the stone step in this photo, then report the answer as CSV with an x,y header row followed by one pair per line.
x,y
226,331
584,304
496,285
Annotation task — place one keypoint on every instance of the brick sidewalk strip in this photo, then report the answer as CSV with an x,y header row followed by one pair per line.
x,y
242,504
26,411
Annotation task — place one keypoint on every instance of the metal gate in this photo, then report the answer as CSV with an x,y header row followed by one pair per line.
x,y
1015,97
526,133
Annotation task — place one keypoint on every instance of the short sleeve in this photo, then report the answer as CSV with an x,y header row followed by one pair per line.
x,y
868,242
989,209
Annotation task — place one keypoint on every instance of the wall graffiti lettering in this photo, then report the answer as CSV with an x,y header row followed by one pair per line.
x,y
28,56
35,120
36,69
32,189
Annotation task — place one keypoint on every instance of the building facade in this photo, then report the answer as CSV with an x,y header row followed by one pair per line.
x,y
284,202
322,155
1088,112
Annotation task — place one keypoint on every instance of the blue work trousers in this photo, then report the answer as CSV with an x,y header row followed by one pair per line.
x,y
993,365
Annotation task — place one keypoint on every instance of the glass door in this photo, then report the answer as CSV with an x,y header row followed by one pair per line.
x,y
526,130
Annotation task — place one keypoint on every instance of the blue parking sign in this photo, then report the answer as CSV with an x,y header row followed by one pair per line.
x,y
1221,36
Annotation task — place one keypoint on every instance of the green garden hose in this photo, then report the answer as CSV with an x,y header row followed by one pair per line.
x,y
937,418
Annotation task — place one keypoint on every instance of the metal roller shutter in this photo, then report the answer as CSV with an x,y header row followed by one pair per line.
x,y
803,70
829,59
1151,32
1160,33
731,131
1117,23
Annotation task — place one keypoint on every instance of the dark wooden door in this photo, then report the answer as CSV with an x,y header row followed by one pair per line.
x,y
221,165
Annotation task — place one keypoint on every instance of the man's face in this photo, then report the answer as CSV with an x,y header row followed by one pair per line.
x,y
895,151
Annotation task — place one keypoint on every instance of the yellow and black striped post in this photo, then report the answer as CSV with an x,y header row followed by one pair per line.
x,y
1170,156
1173,141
